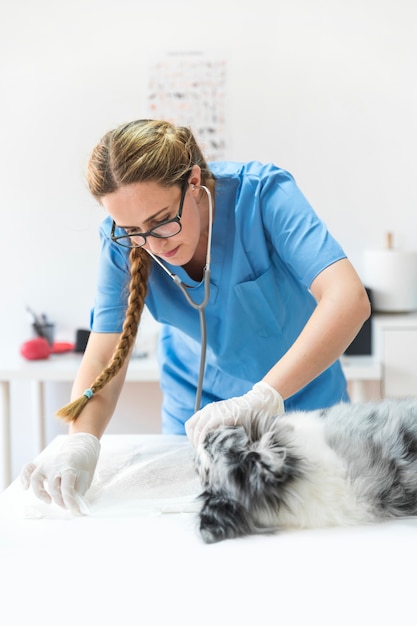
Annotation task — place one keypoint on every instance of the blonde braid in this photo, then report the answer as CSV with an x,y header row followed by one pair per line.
x,y
139,270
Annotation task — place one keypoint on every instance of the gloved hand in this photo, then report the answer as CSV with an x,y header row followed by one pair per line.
x,y
65,474
262,398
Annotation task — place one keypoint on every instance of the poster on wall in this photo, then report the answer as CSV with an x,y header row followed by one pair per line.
x,y
189,89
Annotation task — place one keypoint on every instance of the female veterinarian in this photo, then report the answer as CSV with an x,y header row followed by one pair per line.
x,y
256,299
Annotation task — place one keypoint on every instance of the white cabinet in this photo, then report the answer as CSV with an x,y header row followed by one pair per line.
x,y
395,344
400,362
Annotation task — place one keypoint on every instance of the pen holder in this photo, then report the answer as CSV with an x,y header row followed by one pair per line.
x,y
47,331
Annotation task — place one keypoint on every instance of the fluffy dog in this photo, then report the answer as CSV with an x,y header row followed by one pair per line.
x,y
349,464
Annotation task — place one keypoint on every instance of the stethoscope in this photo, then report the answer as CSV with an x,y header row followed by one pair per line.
x,y
198,306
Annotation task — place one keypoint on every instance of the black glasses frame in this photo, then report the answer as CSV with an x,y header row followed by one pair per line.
x,y
151,233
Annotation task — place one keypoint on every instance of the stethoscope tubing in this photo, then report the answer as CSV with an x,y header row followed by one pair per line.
x,y
198,306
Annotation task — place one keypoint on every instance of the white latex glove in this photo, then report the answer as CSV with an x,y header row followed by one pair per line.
x,y
261,399
64,474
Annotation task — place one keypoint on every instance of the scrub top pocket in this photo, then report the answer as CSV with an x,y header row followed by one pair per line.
x,y
262,304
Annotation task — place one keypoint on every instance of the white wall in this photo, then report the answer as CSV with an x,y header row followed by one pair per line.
x,y
325,88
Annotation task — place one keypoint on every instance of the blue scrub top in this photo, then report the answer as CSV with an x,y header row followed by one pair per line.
x,y
268,245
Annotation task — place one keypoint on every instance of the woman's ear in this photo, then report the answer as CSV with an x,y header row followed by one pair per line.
x,y
195,177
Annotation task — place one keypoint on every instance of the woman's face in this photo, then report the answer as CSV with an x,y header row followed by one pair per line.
x,y
138,207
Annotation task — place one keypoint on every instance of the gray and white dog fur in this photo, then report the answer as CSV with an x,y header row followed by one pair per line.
x,y
349,464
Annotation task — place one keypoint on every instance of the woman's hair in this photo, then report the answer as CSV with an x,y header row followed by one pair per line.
x,y
143,151
140,151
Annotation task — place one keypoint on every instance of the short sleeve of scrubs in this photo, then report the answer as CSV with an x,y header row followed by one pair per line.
x,y
112,291
293,228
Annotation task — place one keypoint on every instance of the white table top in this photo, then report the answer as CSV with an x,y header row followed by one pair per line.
x,y
63,368
135,560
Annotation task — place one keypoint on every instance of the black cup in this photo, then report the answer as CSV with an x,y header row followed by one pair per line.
x,y
81,338
45,330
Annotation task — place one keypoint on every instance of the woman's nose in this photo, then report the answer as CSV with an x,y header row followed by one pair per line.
x,y
156,245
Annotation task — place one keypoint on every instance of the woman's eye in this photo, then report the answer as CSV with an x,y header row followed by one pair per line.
x,y
159,222
132,231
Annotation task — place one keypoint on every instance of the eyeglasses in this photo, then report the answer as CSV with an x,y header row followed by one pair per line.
x,y
163,230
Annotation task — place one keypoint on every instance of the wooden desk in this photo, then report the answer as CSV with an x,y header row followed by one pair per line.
x,y
63,368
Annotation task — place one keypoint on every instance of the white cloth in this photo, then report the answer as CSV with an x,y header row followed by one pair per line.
x,y
154,476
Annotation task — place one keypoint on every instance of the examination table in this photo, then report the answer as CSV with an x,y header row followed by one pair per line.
x,y
137,558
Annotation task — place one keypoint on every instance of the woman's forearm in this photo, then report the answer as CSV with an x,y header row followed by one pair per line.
x,y
343,306
100,408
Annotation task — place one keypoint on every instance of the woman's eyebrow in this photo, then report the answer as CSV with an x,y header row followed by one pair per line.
x,y
153,217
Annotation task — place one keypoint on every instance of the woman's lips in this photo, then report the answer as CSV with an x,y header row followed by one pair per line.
x,y
170,254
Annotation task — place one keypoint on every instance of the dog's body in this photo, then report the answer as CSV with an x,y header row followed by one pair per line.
x,y
349,464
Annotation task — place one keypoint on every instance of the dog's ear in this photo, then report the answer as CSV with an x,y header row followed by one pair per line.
x,y
222,518
275,458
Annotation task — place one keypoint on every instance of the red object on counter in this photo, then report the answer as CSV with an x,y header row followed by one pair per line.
x,y
35,349
62,346
38,348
